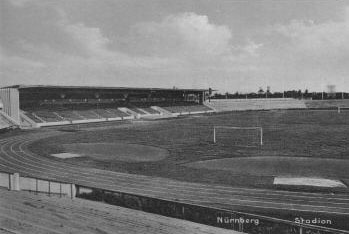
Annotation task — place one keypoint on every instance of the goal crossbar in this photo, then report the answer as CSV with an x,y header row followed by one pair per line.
x,y
260,129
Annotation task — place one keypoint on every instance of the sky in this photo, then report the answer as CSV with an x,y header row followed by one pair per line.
x,y
227,45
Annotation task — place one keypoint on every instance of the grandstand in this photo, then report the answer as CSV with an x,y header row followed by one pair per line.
x,y
255,104
36,106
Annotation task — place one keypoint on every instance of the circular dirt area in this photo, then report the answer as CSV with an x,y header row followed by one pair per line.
x,y
274,166
308,181
117,152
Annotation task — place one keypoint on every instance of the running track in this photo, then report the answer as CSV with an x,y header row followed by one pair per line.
x,y
15,157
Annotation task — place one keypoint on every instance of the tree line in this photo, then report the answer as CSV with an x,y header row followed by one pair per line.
x,y
298,94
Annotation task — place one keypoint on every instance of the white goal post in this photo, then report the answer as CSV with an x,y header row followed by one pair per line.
x,y
259,129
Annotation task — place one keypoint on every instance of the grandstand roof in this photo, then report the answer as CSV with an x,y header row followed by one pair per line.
x,y
97,87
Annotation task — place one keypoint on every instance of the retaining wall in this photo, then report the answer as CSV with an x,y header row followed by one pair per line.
x,y
13,181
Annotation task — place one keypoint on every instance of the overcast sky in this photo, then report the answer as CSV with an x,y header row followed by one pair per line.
x,y
224,44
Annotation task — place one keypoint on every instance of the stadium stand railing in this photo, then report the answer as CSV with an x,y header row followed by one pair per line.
x,y
104,113
69,115
188,109
117,113
130,112
137,110
3,123
88,114
6,122
150,110
50,114
33,117
47,116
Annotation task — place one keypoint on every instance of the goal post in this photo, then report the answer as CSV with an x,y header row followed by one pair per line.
x,y
258,129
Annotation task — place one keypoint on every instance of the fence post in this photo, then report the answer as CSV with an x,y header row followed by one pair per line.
x,y
72,191
214,135
241,227
49,188
15,182
36,186
9,181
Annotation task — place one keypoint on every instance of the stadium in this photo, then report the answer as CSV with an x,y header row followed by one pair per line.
x,y
174,117
278,164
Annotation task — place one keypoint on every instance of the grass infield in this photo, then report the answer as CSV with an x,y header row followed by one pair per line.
x,y
296,143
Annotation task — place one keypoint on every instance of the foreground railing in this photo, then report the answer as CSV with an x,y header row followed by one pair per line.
x,y
224,218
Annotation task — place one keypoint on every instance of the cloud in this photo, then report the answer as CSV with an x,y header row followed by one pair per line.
x,y
17,68
185,34
90,61
186,44
19,3
89,38
46,44
95,49
252,48
320,39
185,50
324,37
310,54
198,47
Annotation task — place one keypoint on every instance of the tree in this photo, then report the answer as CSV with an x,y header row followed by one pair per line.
x,y
299,94
268,89
260,91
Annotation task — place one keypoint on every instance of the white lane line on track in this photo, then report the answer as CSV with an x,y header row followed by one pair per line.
x,y
111,187
190,195
230,190
257,201
201,202
268,195
193,184
270,198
